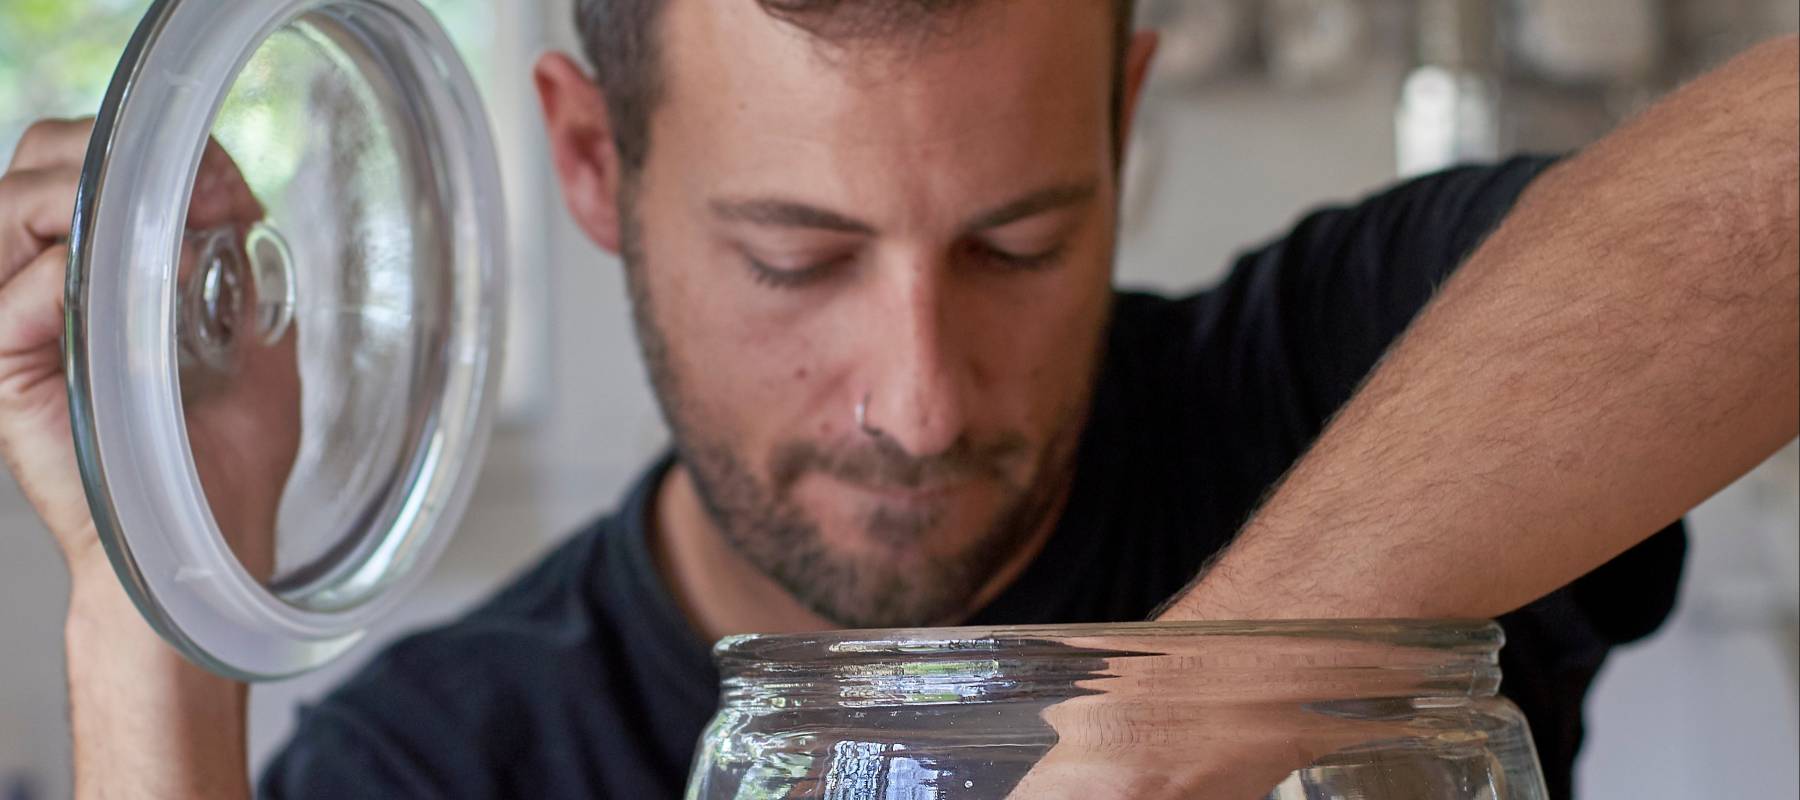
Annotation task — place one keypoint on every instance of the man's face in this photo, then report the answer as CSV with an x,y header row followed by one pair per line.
x,y
922,227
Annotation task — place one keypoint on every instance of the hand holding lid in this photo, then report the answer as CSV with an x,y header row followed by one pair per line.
x,y
283,295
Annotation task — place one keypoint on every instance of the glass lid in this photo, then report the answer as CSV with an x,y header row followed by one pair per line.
x,y
283,319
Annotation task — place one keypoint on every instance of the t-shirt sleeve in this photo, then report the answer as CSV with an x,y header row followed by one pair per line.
x,y
1315,309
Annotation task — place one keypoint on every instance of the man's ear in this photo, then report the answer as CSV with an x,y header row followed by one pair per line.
x,y
581,146
1137,70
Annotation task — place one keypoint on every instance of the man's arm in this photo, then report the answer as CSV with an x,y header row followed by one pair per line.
x,y
1627,343
146,722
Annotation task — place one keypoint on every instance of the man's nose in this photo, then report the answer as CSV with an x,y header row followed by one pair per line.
x,y
918,369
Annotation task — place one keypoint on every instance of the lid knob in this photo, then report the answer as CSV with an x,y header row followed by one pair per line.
x,y
238,287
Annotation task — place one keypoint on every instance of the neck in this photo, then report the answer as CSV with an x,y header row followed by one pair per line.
x,y
724,594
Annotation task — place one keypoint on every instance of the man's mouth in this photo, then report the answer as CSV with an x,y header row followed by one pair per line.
x,y
935,491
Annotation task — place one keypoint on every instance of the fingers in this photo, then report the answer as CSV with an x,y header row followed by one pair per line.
x,y
37,193
53,143
31,304
36,207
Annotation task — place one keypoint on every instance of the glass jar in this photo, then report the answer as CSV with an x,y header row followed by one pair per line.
x,y
1283,710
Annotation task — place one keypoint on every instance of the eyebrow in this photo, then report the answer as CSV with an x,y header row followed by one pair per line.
x,y
778,213
781,213
1033,204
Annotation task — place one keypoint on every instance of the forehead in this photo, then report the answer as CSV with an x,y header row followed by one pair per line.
x,y
999,91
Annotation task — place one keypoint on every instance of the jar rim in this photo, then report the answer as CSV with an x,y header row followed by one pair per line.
x,y
1199,662
1466,637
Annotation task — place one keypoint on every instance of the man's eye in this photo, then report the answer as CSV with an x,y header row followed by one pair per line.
x,y
791,277
1008,259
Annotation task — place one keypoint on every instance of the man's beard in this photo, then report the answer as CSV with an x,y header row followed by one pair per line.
x,y
897,582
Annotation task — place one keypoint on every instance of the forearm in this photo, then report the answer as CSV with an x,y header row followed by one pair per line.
x,y
1621,348
147,724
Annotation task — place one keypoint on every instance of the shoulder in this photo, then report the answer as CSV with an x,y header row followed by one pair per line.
x,y
1470,185
1249,369
1439,217
1455,208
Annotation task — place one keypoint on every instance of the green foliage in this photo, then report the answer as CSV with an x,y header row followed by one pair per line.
x,y
57,56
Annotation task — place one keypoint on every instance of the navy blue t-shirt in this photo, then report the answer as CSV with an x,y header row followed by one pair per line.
x,y
582,679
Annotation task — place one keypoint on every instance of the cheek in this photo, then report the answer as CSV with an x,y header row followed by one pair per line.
x,y
755,376
1036,342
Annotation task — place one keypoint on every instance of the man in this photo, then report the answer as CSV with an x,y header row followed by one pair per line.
x,y
870,250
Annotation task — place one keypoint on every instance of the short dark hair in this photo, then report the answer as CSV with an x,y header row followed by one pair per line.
x,y
620,40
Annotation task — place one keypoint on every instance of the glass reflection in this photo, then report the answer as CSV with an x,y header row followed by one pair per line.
x,y
316,311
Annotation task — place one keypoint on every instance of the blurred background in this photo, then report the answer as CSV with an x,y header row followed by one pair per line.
x,y
1258,112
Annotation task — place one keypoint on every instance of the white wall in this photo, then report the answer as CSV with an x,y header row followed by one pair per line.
x,y
1705,709
33,719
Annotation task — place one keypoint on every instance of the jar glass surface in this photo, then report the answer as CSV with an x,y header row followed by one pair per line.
x,y
1282,710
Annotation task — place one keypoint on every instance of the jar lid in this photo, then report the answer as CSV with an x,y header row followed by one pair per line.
x,y
283,315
